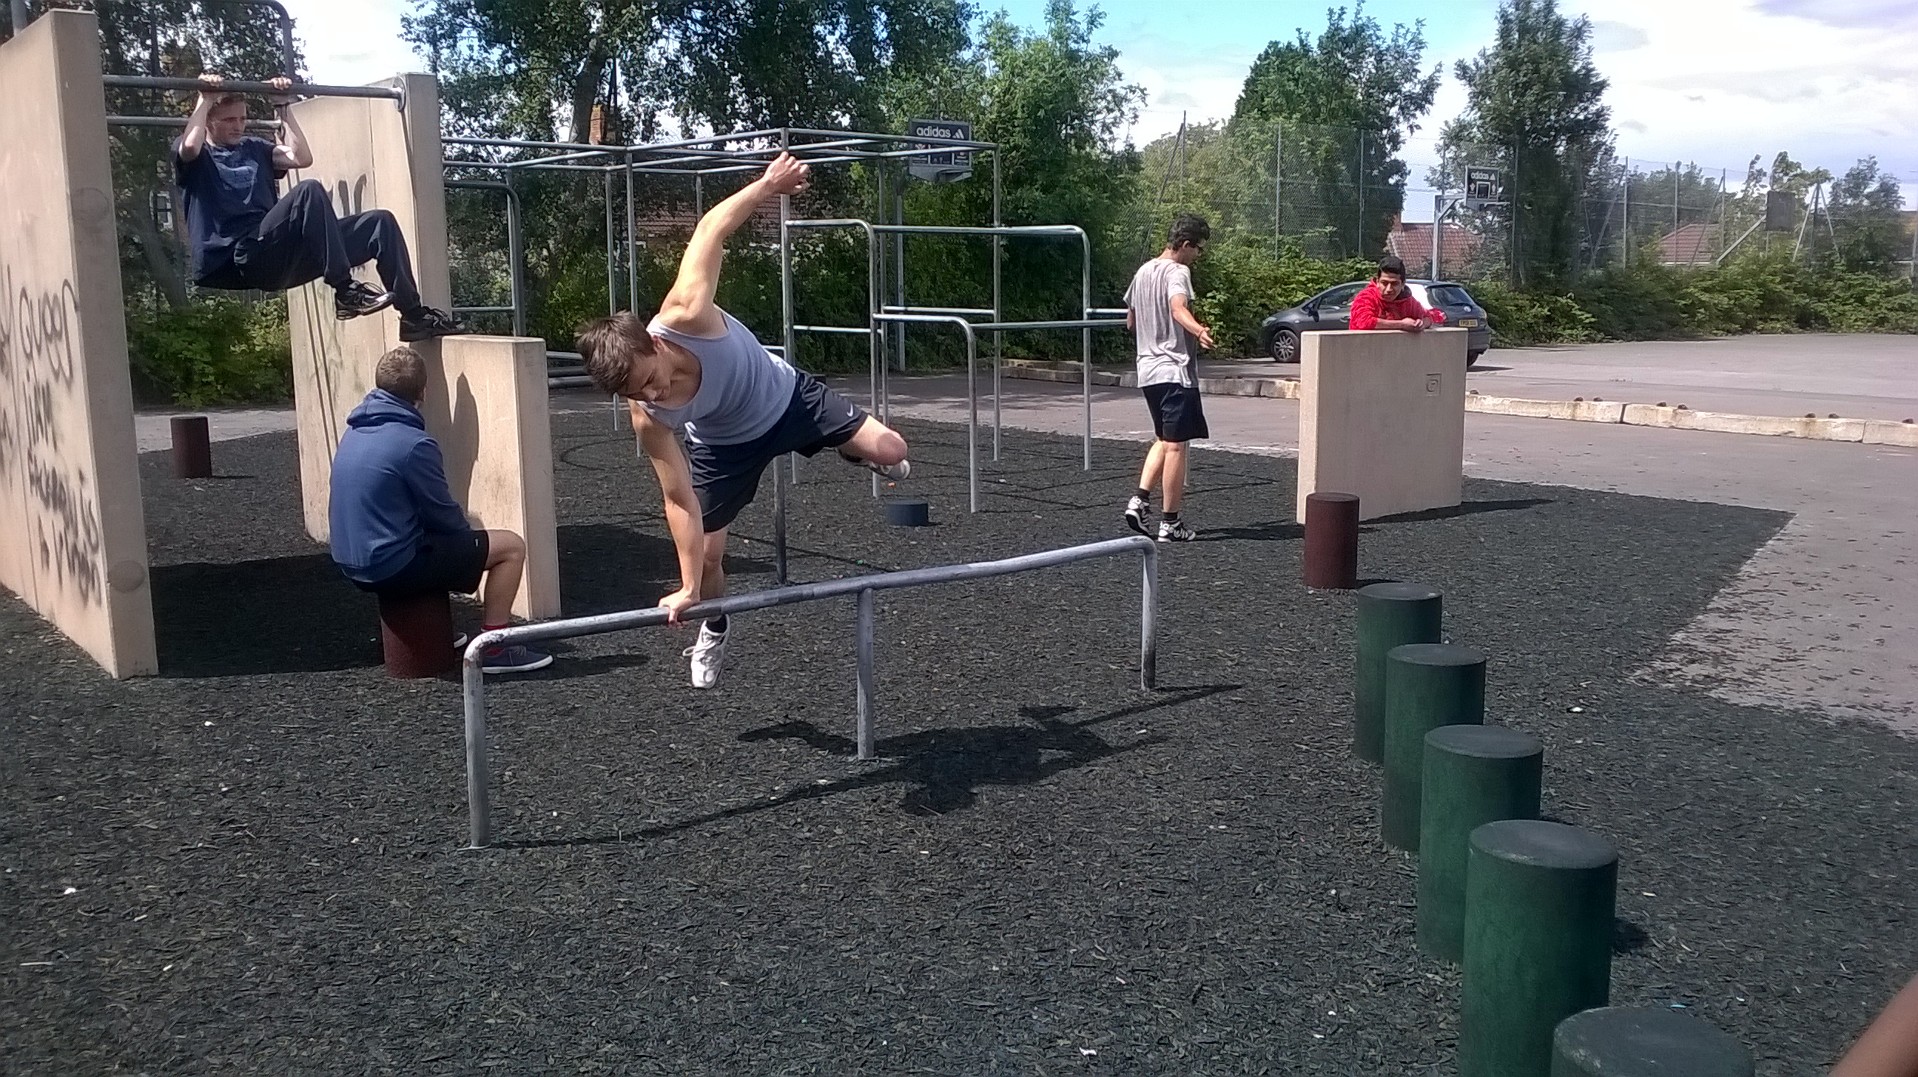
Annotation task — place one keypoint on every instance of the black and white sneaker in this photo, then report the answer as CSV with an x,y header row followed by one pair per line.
x,y
1175,531
1138,515
356,299
426,323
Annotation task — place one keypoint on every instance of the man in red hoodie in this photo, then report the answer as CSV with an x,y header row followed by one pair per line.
x,y
1387,304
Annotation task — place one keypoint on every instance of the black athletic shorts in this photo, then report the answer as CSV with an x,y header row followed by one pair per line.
x,y
444,564
726,477
1177,413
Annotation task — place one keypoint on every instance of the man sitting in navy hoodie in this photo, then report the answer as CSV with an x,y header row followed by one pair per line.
x,y
396,529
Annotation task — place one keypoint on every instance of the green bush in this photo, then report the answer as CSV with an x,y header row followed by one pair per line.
x,y
215,350
1521,319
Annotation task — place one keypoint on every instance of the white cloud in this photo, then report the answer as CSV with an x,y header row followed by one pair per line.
x,y
351,42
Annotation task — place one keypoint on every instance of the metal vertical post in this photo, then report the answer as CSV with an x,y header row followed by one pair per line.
x,y
998,310
864,728
1358,249
1438,219
786,324
699,195
1085,348
1625,218
612,258
899,268
1149,619
22,15
632,246
516,251
478,799
1278,181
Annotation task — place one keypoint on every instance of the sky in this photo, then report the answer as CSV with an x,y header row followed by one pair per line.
x,y
1707,82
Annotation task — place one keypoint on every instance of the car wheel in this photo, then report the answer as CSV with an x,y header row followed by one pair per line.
x,y
1471,359
1285,346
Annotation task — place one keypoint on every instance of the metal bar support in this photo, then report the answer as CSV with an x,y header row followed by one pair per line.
x,y
478,771
163,82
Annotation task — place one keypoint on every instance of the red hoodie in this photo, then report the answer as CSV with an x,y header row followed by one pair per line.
x,y
1370,305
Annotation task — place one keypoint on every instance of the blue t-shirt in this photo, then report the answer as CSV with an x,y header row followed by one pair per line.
x,y
227,190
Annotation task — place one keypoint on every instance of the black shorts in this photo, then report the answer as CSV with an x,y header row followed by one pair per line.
x,y
726,477
1177,412
444,564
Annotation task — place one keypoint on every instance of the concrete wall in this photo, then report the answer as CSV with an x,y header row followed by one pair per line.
x,y
72,532
1382,415
369,154
486,405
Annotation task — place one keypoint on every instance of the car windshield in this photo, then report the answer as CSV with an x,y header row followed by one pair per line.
x,y
1449,295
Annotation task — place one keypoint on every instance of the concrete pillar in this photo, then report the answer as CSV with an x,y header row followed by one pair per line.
x,y
1539,905
1388,615
1332,541
1427,685
1473,775
1645,1041
73,545
1382,416
192,447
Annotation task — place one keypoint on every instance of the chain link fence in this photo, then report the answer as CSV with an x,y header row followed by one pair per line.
x,y
1340,193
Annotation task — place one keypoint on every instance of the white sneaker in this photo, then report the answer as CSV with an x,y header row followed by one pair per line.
x,y
1170,531
1138,515
707,653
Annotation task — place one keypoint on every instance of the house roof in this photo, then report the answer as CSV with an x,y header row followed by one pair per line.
x,y
1411,243
1689,245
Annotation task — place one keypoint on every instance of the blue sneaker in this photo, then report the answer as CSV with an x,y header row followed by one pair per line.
x,y
513,658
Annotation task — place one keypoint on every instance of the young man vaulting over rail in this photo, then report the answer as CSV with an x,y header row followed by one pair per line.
x,y
712,407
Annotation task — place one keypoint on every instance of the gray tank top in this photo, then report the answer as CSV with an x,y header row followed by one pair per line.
x,y
743,388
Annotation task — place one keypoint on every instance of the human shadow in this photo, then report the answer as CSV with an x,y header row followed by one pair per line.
x,y
943,769
231,619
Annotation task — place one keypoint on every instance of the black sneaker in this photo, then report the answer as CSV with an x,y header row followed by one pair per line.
x,y
426,323
358,299
1138,514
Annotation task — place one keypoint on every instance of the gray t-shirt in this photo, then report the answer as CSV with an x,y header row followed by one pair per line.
x,y
743,388
1164,348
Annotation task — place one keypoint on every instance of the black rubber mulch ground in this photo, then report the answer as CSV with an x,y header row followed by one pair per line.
x,y
1051,872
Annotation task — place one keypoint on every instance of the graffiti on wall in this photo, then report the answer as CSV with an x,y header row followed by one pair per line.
x,y
40,375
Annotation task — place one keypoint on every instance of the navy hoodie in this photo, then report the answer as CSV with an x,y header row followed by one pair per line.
x,y
389,489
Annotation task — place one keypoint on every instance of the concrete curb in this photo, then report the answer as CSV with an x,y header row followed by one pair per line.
x,y
1811,428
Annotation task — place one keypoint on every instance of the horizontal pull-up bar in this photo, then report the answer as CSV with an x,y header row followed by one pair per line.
x,y
1061,230
161,82
478,771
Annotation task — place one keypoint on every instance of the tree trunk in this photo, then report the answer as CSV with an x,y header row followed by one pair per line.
x,y
155,251
586,87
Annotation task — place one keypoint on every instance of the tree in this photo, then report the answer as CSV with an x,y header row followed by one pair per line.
x,y
1339,111
1537,101
1867,211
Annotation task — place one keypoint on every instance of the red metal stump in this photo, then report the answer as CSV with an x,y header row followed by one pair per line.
x,y
192,450
416,636
1332,541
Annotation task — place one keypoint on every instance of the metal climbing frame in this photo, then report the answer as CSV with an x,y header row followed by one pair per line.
x,y
478,769
516,254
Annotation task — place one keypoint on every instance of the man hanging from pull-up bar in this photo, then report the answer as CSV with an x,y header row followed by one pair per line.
x,y
246,237
695,370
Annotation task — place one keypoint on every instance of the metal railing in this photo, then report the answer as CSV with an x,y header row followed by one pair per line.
x,y
515,253
478,769
299,89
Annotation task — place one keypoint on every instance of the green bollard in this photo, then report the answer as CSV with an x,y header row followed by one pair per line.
x,y
1427,685
1645,1041
1539,903
1473,774
1389,614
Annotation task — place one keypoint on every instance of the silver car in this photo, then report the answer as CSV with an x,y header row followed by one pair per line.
x,y
1330,309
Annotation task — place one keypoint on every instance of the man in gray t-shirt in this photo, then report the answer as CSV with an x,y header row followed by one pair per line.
x,y
1159,313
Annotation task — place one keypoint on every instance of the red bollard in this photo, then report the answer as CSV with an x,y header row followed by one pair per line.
x,y
192,450
1332,541
416,636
